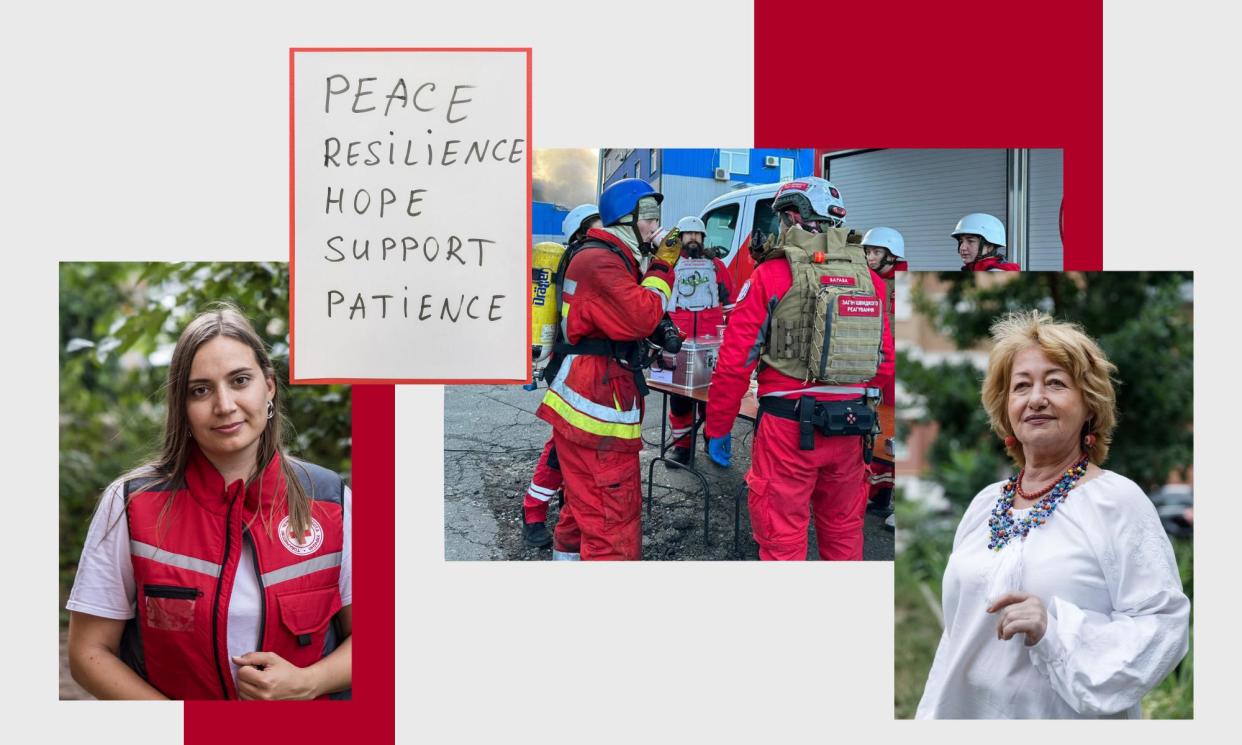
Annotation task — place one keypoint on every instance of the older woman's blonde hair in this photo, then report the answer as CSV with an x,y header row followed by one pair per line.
x,y
1070,348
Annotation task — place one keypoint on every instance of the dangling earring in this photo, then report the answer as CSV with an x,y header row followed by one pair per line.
x,y
271,409
1089,440
1010,441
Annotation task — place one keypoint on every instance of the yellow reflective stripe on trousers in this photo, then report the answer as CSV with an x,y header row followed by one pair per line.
x,y
590,424
655,283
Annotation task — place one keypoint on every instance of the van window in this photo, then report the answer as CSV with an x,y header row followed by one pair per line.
x,y
765,219
721,224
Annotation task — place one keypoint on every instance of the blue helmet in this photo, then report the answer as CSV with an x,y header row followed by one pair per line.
x,y
621,198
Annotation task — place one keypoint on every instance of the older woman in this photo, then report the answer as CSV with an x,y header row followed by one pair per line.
x,y
1061,597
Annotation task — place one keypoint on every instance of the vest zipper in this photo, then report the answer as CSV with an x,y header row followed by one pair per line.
x,y
258,575
215,609
172,591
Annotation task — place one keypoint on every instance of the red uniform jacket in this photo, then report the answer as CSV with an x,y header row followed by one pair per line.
x,y
186,558
748,329
991,264
593,400
707,319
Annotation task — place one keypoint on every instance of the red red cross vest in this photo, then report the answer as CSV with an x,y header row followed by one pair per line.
x,y
185,562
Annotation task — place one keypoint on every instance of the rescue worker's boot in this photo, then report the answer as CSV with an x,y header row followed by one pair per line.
x,y
536,535
681,455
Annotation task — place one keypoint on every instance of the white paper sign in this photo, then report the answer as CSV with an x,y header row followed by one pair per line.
x,y
410,215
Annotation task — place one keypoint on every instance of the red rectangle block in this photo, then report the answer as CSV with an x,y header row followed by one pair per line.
x,y
858,306
839,281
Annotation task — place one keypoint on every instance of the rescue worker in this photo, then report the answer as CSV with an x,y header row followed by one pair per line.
x,y
980,244
886,253
702,285
221,569
786,481
546,481
595,396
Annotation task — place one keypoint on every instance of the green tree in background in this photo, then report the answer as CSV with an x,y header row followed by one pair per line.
x,y
1141,319
118,324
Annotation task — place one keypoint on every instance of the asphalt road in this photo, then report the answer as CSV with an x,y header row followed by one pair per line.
x,y
493,440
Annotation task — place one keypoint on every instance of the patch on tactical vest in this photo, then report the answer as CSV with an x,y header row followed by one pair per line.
x,y
307,544
828,327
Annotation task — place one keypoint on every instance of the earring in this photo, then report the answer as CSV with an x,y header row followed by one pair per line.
x,y
271,409
1010,441
1089,440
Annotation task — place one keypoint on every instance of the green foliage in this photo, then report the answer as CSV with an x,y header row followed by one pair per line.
x,y
965,455
118,323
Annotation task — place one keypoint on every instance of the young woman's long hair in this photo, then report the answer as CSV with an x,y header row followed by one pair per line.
x,y
169,465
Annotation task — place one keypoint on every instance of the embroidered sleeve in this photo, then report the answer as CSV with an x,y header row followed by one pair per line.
x,y
1105,663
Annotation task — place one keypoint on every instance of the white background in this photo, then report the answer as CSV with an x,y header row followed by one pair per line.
x,y
484,200
153,133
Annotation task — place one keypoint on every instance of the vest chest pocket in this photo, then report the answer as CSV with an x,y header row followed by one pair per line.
x,y
170,607
305,615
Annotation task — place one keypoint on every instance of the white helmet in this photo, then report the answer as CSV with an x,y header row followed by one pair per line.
x,y
578,215
983,225
691,225
886,238
816,199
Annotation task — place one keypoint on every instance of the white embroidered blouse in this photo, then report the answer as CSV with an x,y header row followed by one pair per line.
x,y
1118,621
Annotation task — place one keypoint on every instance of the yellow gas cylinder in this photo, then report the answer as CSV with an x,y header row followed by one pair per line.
x,y
545,312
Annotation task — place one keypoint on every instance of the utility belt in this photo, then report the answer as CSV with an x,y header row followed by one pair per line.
x,y
849,418
632,355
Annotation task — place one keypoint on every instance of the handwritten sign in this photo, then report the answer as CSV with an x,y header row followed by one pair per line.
x,y
410,215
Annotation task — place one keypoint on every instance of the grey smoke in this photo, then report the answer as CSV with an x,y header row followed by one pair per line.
x,y
564,176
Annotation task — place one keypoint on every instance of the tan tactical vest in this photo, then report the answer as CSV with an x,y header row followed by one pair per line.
x,y
829,327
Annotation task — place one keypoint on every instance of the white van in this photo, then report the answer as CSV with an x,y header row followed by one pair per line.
x,y
731,220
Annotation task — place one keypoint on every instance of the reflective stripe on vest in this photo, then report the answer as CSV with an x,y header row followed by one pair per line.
x,y
181,561
301,569
581,403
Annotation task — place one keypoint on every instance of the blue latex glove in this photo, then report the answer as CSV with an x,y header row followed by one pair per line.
x,y
720,450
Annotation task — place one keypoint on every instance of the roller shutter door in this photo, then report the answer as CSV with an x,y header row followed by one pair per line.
x,y
1046,188
921,193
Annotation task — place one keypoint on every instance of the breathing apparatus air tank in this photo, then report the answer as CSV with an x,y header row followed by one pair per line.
x,y
544,304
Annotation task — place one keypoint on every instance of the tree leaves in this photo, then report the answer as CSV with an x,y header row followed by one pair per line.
x,y
118,322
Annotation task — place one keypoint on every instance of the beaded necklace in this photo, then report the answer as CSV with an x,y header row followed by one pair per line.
x,y
1002,524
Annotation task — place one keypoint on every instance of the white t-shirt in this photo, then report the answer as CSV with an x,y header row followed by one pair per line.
x,y
1118,621
104,585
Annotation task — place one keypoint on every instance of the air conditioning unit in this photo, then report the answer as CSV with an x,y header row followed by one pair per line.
x,y
771,161
722,174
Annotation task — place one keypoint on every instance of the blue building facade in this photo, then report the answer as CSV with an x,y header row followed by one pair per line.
x,y
545,223
689,178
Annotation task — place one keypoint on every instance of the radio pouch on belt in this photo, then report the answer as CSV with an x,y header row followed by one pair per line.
x,y
852,418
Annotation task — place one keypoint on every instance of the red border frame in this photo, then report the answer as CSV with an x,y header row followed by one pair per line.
x,y
293,379
970,73
371,715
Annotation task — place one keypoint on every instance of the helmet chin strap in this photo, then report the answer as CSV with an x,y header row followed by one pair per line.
x,y
644,247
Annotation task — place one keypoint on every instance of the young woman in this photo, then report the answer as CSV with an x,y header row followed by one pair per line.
x,y
221,569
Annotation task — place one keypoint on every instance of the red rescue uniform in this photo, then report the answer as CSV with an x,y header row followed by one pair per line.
x,y
880,473
543,486
697,308
186,544
593,402
991,264
786,483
